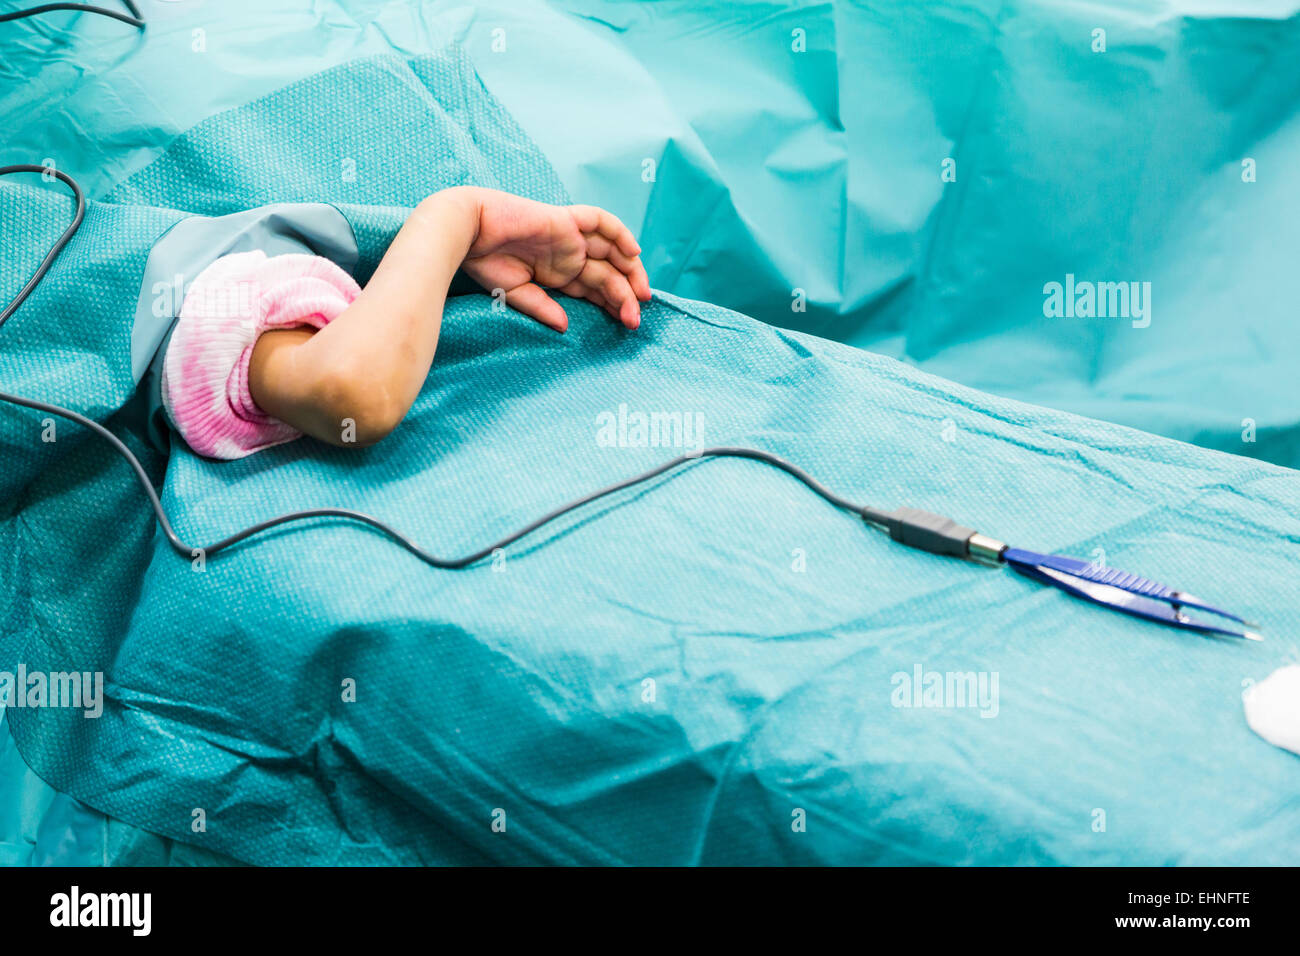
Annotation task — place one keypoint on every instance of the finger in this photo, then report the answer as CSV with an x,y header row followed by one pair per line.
x,y
601,248
640,280
617,291
532,300
594,219
578,290
506,271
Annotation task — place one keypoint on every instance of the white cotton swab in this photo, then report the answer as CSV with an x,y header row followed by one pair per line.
x,y
1273,707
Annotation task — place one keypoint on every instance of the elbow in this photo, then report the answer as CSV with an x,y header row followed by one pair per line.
x,y
356,411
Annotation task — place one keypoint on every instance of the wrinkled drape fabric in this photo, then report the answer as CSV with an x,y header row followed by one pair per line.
x,y
716,669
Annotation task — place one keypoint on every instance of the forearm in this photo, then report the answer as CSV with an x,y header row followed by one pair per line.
x,y
368,365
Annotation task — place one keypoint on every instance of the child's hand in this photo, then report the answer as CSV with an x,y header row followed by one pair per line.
x,y
525,247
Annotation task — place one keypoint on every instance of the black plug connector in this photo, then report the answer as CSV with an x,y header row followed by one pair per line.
x,y
928,532
937,534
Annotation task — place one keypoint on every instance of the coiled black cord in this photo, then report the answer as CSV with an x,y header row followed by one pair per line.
x,y
135,18
62,241
190,551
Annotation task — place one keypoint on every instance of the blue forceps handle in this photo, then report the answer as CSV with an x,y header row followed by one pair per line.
x,y
1122,591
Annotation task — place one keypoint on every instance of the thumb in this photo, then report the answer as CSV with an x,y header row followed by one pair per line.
x,y
532,300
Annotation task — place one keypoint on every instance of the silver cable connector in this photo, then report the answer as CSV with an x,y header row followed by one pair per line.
x,y
985,549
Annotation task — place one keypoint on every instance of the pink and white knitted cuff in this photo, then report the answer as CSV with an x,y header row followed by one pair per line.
x,y
232,302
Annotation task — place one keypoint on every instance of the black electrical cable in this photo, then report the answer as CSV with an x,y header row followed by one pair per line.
x,y
135,18
62,241
866,513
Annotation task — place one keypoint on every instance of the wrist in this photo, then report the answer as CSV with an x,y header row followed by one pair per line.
x,y
463,205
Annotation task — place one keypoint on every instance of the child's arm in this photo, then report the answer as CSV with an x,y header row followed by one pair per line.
x,y
370,363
